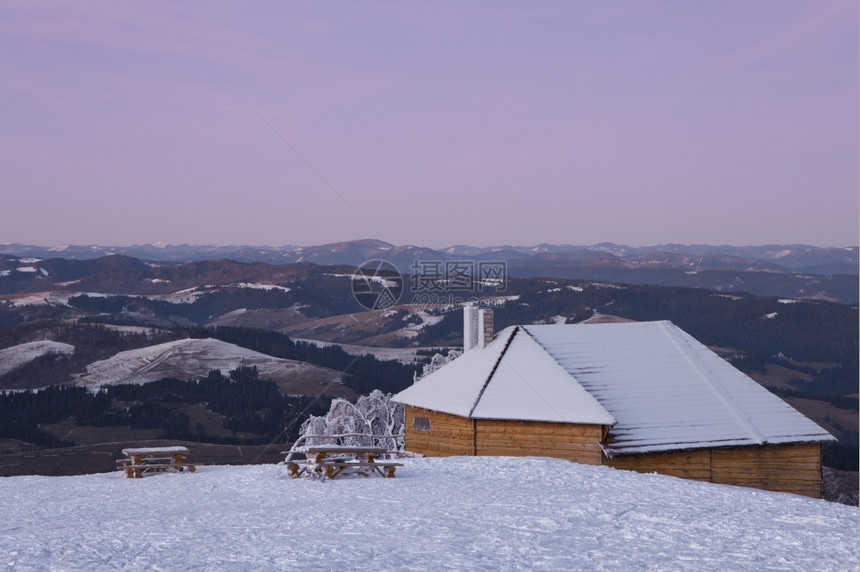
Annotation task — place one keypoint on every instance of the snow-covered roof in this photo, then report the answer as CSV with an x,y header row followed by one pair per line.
x,y
657,386
529,385
456,387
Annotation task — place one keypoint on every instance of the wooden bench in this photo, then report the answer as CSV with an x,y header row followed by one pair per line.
x,y
138,471
383,468
294,469
144,461
329,461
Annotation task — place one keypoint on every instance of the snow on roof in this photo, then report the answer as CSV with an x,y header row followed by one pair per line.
x,y
529,385
668,391
456,387
658,387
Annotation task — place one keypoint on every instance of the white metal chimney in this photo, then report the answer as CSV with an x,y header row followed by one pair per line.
x,y
477,327
470,327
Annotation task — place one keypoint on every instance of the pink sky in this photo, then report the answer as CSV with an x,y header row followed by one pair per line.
x,y
431,123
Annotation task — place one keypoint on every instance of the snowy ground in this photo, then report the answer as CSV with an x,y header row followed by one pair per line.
x,y
460,513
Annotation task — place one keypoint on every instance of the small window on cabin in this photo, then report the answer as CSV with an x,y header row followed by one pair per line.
x,y
421,423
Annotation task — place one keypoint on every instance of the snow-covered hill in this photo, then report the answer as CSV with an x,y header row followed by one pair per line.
x,y
459,513
192,358
14,357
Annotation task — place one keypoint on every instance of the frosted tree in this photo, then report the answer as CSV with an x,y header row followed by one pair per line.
x,y
373,420
437,361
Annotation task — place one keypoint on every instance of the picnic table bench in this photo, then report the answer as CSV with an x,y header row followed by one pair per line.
x,y
331,461
149,460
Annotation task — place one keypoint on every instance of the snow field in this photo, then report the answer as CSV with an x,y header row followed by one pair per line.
x,y
187,358
462,513
14,357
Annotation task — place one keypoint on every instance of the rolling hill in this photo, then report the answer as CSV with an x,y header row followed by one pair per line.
x,y
195,358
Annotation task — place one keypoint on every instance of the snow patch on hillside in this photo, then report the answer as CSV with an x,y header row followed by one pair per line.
x,y
187,296
261,286
14,357
403,355
49,298
190,295
729,296
185,359
413,330
128,329
779,254
28,300
458,513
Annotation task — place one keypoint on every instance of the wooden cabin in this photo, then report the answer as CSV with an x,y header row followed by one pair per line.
x,y
642,396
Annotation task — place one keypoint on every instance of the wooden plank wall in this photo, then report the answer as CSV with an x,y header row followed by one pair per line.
x,y
577,443
448,435
694,465
792,468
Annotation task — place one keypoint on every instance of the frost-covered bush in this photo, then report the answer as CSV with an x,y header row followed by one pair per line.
x,y
373,420
437,361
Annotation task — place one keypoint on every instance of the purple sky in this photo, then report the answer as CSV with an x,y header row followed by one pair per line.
x,y
431,123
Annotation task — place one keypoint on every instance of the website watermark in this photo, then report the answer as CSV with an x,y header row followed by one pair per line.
x,y
378,284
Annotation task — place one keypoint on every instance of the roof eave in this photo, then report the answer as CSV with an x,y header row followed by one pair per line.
x,y
611,451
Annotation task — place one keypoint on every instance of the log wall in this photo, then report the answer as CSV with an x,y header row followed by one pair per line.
x,y
791,468
577,443
448,435
794,468
693,464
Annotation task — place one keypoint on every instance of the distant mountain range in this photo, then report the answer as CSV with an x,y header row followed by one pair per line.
x,y
522,261
785,271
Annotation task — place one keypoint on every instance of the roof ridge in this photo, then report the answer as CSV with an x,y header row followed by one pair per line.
x,y
706,375
492,371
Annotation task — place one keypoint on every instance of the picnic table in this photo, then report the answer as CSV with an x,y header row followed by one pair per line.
x,y
333,460
143,461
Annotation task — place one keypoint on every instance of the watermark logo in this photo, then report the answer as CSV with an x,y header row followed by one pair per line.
x,y
377,284
465,276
